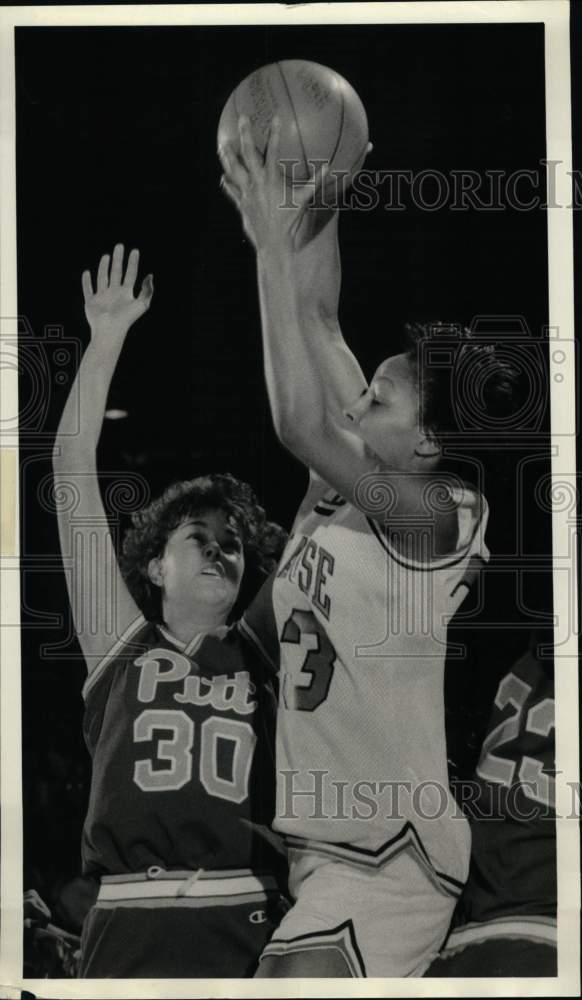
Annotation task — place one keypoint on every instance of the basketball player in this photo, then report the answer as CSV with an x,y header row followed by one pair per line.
x,y
506,919
178,707
382,554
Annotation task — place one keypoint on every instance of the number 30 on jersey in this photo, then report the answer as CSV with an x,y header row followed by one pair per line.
x,y
175,733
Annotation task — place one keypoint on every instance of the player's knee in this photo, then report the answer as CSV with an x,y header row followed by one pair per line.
x,y
320,963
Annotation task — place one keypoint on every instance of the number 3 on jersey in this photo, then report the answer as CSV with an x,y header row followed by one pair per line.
x,y
309,669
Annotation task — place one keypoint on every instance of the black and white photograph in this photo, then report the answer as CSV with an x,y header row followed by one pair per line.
x,y
289,501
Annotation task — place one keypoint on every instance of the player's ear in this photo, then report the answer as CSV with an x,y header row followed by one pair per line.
x,y
427,446
155,571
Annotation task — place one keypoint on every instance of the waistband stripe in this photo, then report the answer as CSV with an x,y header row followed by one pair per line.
x,y
407,839
259,899
168,888
159,874
531,928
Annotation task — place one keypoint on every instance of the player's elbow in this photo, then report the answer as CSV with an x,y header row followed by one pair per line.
x,y
292,428
70,455
304,437
61,452
283,428
59,458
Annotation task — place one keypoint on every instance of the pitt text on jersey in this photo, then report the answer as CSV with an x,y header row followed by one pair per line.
x,y
175,730
222,692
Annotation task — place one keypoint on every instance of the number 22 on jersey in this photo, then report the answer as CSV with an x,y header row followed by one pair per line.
x,y
539,720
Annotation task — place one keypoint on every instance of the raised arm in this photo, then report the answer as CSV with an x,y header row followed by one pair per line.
x,y
101,604
318,276
310,372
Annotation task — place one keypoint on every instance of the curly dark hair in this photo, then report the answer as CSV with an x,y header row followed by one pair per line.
x,y
472,377
263,540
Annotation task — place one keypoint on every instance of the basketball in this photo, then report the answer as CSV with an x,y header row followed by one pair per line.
x,y
321,118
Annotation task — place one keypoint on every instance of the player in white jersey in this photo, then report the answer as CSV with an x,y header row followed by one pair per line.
x,y
381,556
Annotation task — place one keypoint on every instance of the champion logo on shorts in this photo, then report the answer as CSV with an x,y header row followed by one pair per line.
x,y
258,917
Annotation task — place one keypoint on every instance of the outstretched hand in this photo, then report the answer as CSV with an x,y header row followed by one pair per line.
x,y
113,304
36,912
271,213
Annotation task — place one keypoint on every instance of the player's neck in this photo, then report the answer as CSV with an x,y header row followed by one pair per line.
x,y
185,623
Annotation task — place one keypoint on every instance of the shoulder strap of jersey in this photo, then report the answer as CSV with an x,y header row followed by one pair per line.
x,y
258,625
472,518
118,648
316,491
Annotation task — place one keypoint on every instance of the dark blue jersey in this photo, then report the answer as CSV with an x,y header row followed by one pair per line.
x,y
181,739
513,866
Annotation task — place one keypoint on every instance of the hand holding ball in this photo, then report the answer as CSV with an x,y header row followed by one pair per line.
x,y
321,119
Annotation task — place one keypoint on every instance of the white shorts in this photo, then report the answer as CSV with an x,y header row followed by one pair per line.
x,y
389,923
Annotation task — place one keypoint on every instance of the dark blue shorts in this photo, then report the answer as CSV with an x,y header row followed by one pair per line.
x,y
497,956
178,942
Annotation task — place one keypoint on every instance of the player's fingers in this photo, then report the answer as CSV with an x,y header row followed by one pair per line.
x,y
309,192
321,175
249,152
103,273
234,170
146,291
87,285
230,190
116,265
272,151
131,270
34,904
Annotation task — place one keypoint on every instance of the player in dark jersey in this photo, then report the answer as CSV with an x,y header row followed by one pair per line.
x,y
179,706
506,919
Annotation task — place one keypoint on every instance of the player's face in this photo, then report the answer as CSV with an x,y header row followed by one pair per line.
x,y
203,561
386,417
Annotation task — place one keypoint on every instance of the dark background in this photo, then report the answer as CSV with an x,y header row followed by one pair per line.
x,y
116,142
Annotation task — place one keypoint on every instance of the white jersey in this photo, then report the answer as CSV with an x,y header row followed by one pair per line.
x,y
361,754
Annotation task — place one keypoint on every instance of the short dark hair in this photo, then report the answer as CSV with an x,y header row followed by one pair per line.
x,y
263,540
469,358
